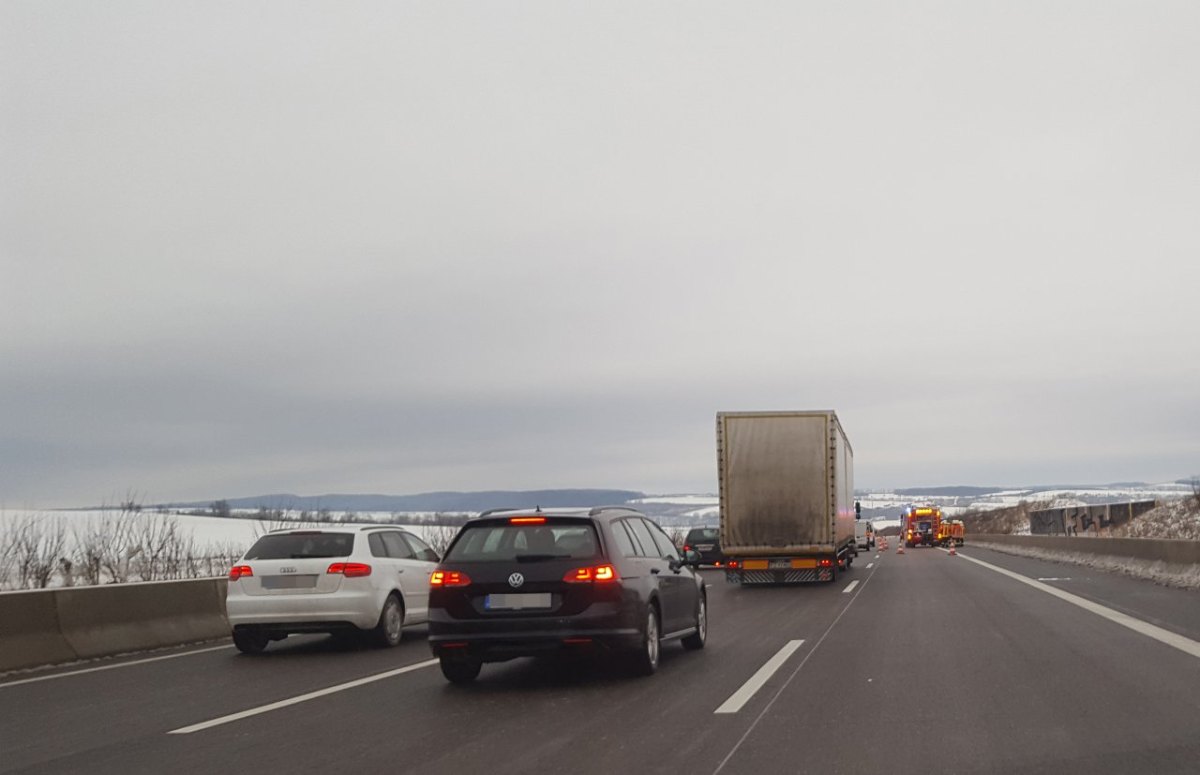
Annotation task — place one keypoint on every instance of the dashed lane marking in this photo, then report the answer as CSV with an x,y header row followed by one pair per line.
x,y
743,695
850,587
299,699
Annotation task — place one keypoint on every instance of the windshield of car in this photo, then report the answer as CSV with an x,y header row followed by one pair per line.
x,y
702,534
291,546
503,541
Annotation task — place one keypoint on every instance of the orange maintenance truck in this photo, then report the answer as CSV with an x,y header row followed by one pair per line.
x,y
951,532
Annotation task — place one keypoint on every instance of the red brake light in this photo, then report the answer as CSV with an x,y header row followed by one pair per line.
x,y
449,578
687,548
733,563
240,571
350,569
592,573
826,562
527,521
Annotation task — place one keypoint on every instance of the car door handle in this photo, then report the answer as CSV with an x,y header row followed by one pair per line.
x,y
656,571
400,570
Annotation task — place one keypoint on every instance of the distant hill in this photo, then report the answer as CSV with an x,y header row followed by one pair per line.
x,y
428,501
950,491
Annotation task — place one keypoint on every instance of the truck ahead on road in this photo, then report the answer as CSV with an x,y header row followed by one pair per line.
x,y
922,525
786,496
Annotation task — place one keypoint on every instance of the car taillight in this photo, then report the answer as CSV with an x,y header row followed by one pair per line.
x,y
449,578
687,548
527,521
240,571
350,569
591,573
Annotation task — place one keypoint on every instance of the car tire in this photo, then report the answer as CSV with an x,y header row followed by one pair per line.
x,y
250,641
695,641
391,623
644,661
460,670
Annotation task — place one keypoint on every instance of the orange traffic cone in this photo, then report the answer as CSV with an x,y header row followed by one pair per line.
x,y
952,552
900,548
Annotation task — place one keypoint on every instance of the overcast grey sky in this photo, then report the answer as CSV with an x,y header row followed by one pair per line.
x,y
398,247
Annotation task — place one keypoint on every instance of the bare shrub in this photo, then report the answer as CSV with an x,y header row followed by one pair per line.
x,y
440,536
37,548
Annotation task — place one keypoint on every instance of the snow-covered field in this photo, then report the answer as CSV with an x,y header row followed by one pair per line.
x,y
56,548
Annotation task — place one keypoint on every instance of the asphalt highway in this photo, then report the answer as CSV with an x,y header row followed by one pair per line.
x,y
920,663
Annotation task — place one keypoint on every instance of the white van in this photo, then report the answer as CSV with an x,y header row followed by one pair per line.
x,y
864,534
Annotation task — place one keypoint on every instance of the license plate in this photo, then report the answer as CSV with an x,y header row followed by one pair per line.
x,y
704,547
780,564
289,582
517,602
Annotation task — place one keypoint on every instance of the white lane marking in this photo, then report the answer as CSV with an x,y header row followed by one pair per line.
x,y
851,585
743,695
1053,578
767,708
1184,644
112,667
299,699
870,565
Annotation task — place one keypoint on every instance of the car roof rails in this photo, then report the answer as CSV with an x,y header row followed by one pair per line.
x,y
601,509
506,508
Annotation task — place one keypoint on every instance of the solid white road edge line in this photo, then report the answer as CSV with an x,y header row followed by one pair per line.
x,y
743,695
299,699
112,667
1184,644
851,586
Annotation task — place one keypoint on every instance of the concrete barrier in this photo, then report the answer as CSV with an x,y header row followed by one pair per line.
x,y
29,632
115,618
41,627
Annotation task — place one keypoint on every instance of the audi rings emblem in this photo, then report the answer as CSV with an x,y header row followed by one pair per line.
x,y
516,580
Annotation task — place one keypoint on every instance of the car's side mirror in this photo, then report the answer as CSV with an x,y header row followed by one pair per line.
x,y
691,557
857,510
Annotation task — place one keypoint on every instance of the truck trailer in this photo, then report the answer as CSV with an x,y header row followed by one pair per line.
x,y
787,505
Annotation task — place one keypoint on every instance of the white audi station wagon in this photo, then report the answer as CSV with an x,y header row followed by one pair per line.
x,y
369,579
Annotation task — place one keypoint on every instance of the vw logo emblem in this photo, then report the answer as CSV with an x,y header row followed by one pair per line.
x,y
516,580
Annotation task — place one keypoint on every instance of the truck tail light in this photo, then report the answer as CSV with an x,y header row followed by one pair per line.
x,y
449,578
350,570
826,562
240,572
591,573
734,564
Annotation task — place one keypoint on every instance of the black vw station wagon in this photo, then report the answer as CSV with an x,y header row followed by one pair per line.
x,y
525,583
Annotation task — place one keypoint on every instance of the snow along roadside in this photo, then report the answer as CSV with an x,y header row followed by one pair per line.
x,y
1171,575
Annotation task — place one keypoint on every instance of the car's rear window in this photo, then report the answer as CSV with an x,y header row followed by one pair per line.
x,y
291,546
702,534
504,541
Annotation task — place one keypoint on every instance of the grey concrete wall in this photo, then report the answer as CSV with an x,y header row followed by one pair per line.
x,y
42,627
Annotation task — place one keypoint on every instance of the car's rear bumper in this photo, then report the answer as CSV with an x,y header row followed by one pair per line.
x,y
296,613
603,625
